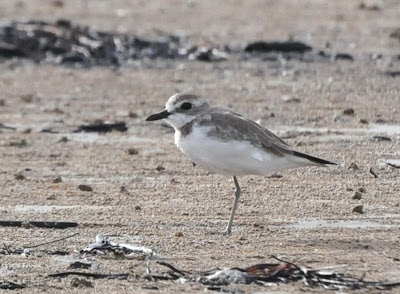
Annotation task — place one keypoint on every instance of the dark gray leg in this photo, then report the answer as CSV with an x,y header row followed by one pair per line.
x,y
238,192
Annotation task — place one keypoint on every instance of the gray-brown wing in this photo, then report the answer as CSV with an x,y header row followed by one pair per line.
x,y
229,126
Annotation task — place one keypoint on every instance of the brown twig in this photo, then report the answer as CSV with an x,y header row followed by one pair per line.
x,y
91,275
171,267
50,242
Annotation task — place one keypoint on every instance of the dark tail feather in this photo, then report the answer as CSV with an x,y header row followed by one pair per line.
x,y
312,158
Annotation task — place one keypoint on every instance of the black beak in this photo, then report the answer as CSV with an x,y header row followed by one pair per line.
x,y
157,116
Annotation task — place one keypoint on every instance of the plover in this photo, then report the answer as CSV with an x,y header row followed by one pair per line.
x,y
226,143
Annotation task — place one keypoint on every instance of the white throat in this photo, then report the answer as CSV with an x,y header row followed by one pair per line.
x,y
178,120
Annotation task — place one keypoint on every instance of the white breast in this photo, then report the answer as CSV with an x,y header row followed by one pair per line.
x,y
229,158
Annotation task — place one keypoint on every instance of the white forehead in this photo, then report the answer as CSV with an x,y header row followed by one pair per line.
x,y
178,99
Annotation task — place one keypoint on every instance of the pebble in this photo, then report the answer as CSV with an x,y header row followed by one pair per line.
x,y
57,180
349,111
85,188
357,196
81,283
358,209
132,151
160,168
353,166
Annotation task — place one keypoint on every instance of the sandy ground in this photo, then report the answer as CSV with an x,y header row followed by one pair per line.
x,y
180,211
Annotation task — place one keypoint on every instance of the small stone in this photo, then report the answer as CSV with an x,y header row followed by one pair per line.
x,y
357,196
52,197
28,98
370,5
358,209
19,177
19,144
85,188
57,180
289,99
362,190
132,114
343,56
381,121
78,264
58,3
137,207
349,111
132,151
160,168
63,140
353,166
364,121
178,234
81,283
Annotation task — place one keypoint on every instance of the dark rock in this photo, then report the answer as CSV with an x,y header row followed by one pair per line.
x,y
100,127
290,46
369,6
78,264
349,111
343,56
85,188
81,283
353,166
132,114
63,42
358,209
160,168
357,195
395,34
57,180
19,177
392,73
132,151
49,130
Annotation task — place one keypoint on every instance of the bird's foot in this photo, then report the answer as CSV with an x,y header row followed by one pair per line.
x,y
227,232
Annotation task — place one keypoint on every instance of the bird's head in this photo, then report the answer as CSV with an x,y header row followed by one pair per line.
x,y
181,109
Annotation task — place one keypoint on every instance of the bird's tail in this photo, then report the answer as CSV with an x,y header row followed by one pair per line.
x,y
313,159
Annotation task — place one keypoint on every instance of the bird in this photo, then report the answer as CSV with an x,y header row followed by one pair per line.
x,y
224,142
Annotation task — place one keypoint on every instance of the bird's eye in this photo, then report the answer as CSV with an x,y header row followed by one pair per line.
x,y
186,106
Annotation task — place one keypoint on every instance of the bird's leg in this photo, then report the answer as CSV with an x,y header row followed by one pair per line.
x,y
238,192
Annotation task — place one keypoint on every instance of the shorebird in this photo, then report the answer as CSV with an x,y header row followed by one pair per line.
x,y
223,142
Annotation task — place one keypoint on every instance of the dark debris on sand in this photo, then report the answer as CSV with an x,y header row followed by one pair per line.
x,y
267,273
64,43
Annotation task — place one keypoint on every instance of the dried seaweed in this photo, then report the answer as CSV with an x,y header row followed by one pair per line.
x,y
11,286
283,272
91,275
39,224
